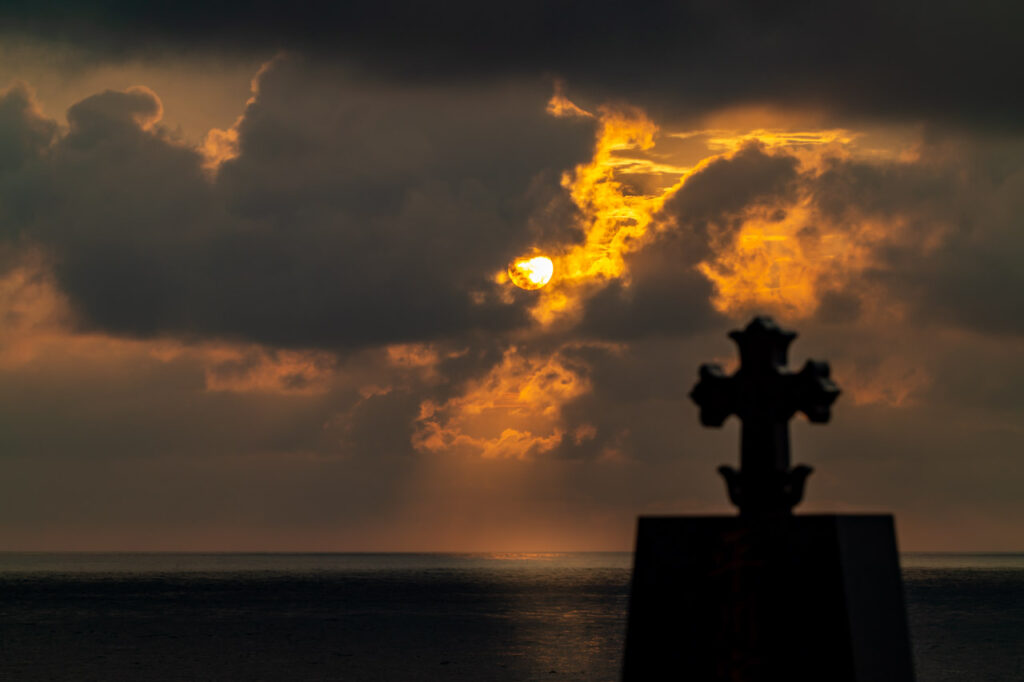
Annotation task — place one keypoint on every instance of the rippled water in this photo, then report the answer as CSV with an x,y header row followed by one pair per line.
x,y
413,616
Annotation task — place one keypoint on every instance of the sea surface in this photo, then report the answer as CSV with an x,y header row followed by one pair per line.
x,y
410,617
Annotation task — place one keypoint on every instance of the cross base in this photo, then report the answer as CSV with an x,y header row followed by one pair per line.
x,y
805,598
767,493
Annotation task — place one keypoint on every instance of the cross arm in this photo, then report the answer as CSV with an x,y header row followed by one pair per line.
x,y
815,391
715,394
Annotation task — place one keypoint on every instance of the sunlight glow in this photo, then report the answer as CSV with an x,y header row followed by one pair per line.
x,y
531,273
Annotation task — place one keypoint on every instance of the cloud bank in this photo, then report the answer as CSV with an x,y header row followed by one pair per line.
x,y
950,61
296,333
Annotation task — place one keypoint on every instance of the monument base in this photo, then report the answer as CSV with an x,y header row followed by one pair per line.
x,y
796,598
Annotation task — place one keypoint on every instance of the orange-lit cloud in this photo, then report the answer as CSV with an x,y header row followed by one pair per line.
x,y
514,411
896,381
615,217
147,120
38,325
412,355
221,144
784,257
31,310
561,106
258,370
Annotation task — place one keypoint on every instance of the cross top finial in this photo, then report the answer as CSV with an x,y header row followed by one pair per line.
x,y
764,393
763,345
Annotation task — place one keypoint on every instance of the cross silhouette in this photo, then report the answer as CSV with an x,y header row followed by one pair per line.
x,y
764,394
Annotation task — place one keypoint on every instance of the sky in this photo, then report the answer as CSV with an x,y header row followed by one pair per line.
x,y
254,267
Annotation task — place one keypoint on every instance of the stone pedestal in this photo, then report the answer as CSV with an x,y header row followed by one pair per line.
x,y
815,598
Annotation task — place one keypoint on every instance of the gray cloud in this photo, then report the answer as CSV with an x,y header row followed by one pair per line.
x,y
718,195
666,294
957,262
949,61
24,134
352,215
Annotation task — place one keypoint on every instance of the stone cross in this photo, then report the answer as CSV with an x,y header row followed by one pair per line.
x,y
764,394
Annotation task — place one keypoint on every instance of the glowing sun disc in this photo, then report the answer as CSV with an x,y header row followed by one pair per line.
x,y
531,273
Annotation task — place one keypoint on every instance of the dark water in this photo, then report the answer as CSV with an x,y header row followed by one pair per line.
x,y
966,615
413,617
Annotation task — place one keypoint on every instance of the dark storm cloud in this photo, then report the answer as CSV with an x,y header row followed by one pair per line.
x,y
353,214
720,193
110,114
666,294
960,204
953,60
24,135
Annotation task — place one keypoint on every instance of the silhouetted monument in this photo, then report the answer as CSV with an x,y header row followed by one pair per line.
x,y
764,394
766,595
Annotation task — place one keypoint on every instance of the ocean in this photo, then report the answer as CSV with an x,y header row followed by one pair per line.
x,y
408,617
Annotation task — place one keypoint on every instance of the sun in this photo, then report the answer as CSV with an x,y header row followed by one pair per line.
x,y
531,273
